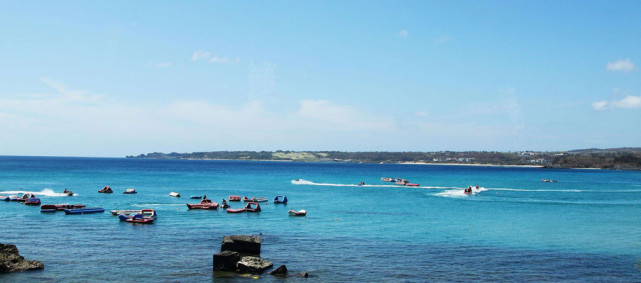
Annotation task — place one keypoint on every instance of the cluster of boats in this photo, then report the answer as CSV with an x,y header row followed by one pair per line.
x,y
399,181
148,216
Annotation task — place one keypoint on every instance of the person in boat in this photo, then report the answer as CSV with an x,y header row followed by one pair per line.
x,y
361,183
297,180
224,202
204,196
477,187
66,191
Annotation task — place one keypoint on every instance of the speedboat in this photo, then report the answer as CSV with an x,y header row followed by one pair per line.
x,y
144,213
56,207
130,191
388,179
32,201
125,211
174,194
412,185
361,184
204,204
301,212
280,199
106,190
85,210
252,207
234,198
67,193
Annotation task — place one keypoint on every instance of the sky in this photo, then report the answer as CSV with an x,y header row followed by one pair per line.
x,y
117,78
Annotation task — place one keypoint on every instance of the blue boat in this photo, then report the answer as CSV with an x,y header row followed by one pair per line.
x,y
85,210
196,197
280,199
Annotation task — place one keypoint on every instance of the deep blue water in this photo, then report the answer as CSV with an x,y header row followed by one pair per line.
x,y
516,228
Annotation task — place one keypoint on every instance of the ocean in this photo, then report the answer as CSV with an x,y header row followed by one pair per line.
x,y
583,228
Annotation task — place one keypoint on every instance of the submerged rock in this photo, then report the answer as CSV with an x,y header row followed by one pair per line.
x,y
226,260
245,244
280,271
11,260
253,265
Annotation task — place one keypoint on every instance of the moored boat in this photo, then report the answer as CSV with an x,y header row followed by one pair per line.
x,y
252,207
140,219
234,198
145,213
5,198
196,197
301,212
24,197
13,198
204,204
130,191
86,210
174,194
56,207
125,211
106,190
388,179
280,199
235,210
32,201
412,185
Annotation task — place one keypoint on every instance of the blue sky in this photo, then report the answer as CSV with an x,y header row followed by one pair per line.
x,y
115,78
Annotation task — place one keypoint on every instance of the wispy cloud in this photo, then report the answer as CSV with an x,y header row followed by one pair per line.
x,y
223,60
621,66
200,55
629,101
403,33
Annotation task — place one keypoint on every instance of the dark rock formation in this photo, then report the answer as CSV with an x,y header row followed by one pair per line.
x,y
280,271
304,274
253,265
243,244
226,260
11,260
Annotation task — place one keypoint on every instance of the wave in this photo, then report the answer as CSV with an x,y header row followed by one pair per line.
x,y
45,192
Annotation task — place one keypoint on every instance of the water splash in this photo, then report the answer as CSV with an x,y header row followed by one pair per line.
x,y
45,192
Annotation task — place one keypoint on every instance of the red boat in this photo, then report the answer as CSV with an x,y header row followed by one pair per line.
x,y
204,204
235,210
252,207
234,198
412,185
54,207
138,218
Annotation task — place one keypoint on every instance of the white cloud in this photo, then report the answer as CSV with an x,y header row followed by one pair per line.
x,y
403,33
199,54
224,60
621,66
629,102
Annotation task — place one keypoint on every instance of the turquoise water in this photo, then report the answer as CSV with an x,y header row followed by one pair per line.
x,y
515,228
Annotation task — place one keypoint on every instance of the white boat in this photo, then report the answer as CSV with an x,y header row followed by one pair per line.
x,y
174,194
301,212
125,211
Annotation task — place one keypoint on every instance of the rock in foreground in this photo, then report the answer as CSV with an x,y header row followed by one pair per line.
x,y
11,260
226,260
280,271
253,265
243,244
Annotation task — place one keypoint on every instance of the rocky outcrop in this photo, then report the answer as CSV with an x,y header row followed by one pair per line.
x,y
280,271
253,265
244,244
11,260
226,260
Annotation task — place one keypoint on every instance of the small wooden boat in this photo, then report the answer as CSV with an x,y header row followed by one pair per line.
x,y
196,197
106,190
204,204
252,207
85,210
280,199
130,191
125,211
174,194
32,201
235,210
301,212
57,207
234,198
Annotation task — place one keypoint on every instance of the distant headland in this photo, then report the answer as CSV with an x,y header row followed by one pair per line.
x,y
625,158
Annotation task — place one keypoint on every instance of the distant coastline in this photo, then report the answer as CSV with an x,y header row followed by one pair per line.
x,y
627,158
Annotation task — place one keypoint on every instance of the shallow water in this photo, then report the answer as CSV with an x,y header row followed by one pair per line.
x,y
514,228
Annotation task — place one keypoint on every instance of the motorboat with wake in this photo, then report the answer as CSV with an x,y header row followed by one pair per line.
x,y
301,212
67,192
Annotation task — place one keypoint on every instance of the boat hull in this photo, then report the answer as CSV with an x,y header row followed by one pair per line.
x,y
85,210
